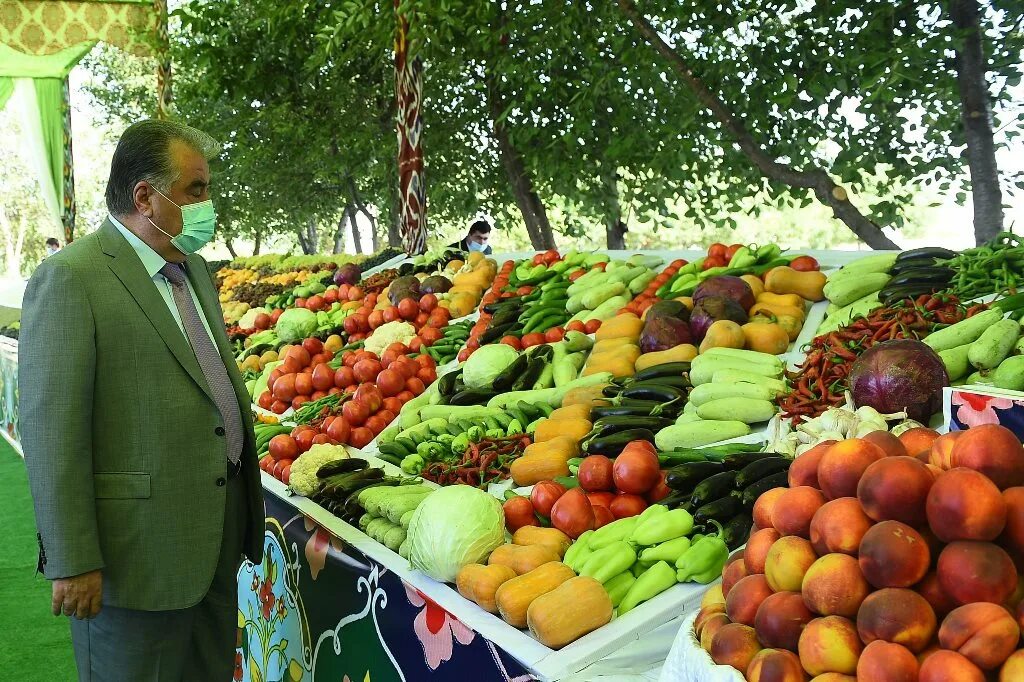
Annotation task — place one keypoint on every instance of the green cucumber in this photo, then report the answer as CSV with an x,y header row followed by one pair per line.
x,y
994,344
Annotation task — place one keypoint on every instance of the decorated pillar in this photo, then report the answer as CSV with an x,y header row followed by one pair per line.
x,y
68,209
409,93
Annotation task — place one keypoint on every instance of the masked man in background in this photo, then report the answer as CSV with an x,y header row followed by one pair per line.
x,y
476,239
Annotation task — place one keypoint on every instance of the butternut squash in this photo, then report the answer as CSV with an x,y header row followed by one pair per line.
x,y
684,352
778,310
571,610
544,460
584,395
791,325
612,345
623,325
765,338
786,280
755,283
549,429
793,300
685,300
573,411
478,583
619,362
522,558
515,596
723,334
546,537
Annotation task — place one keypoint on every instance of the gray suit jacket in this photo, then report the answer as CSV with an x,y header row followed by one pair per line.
x,y
120,430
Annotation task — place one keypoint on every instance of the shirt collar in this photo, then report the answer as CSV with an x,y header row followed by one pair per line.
x,y
151,260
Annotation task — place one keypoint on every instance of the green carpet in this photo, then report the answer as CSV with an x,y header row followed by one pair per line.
x,y
36,645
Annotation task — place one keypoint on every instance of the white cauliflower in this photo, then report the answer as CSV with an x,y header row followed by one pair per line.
x,y
387,334
303,480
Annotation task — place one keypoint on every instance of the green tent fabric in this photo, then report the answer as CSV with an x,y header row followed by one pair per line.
x,y
6,89
20,65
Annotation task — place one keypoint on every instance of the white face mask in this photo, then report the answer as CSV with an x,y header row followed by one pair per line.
x,y
477,246
50,250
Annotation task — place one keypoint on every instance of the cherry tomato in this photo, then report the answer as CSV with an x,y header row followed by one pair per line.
x,y
592,326
804,264
714,262
361,437
415,385
731,251
717,250
518,513
355,413
512,341
339,430
369,395
283,446
390,382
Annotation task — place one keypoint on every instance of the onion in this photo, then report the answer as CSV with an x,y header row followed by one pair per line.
x,y
900,376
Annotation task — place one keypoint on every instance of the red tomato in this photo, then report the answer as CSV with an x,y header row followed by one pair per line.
x,y
315,303
284,387
375,319
442,314
804,264
660,490
286,474
300,355
544,496
573,514
533,339
266,462
376,424
592,326
595,473
303,384
398,348
323,377
390,382
636,469
416,345
279,467
369,395
387,357
602,499
300,303
279,407
408,308
599,266
415,385
511,341
355,413
717,249
334,391
339,430
317,395
731,251
331,296
714,262
387,416
298,401
361,437
428,302
266,399
366,370
391,313
392,404
425,361
430,336
550,256
538,259
406,366
518,513
322,439
283,446
576,326
344,376
313,346
276,315
576,274
554,335
355,323
463,355
626,504
602,516
427,375
405,396
304,439
355,294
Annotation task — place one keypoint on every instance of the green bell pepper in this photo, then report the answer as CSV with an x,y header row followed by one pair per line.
x,y
651,583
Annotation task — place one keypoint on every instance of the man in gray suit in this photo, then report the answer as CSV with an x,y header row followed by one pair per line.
x,y
136,426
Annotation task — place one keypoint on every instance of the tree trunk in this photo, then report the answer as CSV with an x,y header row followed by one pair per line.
x,y
817,180
358,204
230,247
357,240
257,242
976,117
308,238
339,233
615,229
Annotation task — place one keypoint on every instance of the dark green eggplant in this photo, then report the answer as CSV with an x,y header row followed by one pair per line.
x,y
934,275
755,490
736,531
721,510
927,251
506,315
653,391
446,383
528,378
687,476
676,499
738,460
755,471
913,264
713,487
606,426
472,396
666,369
341,466
495,332
611,446
504,381
637,408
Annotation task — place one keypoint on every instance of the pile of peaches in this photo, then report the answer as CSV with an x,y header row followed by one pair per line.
x,y
886,559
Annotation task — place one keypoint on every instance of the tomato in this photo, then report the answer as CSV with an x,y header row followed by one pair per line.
x,y
339,430
428,302
714,262
361,437
573,514
303,384
602,516
430,336
600,266
313,346
415,385
391,313
376,424
375,319
344,376
473,343
266,461
300,303
544,496
299,400
531,340
266,399
731,251
592,326
387,416
660,490
300,355
326,422
804,264
323,377
576,274
315,303
279,407
427,375
595,473
463,355
415,345
286,474
392,404
355,323
551,256
366,370
442,314
322,439
406,366
426,362
601,499
304,439
331,296
408,308
387,357
369,395
538,259
518,513
334,391
284,387
576,326
717,250
283,446
355,294
390,382
278,467
355,413
317,395
626,504
554,335
636,469
276,315
405,396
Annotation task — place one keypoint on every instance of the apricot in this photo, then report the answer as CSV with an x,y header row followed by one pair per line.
x,y
949,666
895,488
711,628
834,677
745,597
804,469
931,589
835,586
736,645
714,595
890,444
993,450
986,634
764,505
892,554
896,615
941,452
1013,532
971,571
775,665
780,619
787,561
887,662
1013,668
965,505
843,464
757,549
704,615
839,526
830,644
794,510
918,439
733,572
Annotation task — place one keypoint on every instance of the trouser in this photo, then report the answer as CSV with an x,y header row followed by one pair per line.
x,y
186,645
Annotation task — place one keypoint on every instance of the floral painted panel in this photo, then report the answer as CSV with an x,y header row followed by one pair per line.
x,y
969,408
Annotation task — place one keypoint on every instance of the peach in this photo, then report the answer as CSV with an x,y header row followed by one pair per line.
x,y
787,561
839,526
890,444
830,644
993,450
733,572
934,470
794,510
892,554
764,505
745,597
941,452
775,665
1013,531
972,571
834,677
949,666
714,595
780,619
918,439
757,548
704,615
886,662
895,488
965,505
835,586
1014,600
711,628
843,464
736,645
1013,668
984,633
896,615
932,591
1019,613
804,469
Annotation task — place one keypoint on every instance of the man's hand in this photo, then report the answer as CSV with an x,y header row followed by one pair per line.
x,y
79,595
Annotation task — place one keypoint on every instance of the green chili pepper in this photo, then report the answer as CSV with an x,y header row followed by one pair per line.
x,y
412,464
618,586
663,527
579,552
743,258
651,583
460,443
704,560
604,564
613,532
666,551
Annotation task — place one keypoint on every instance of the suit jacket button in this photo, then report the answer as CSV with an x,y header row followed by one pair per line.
x,y
221,482
219,430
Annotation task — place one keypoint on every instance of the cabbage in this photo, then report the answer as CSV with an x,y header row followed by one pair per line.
x,y
486,363
295,324
452,527
248,321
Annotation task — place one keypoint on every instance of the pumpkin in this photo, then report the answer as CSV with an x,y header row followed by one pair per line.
x,y
611,345
574,411
684,352
479,583
515,596
786,280
571,610
723,334
522,558
792,300
549,428
778,309
546,537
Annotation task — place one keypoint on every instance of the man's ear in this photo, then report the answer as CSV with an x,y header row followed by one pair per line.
x,y
143,195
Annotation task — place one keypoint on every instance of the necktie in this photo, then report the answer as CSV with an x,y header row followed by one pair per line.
x,y
210,361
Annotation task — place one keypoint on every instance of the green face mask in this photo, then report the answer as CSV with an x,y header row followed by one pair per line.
x,y
197,225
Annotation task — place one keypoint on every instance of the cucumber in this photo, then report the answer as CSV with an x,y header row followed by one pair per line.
x,y
699,433
955,360
725,376
772,362
963,332
993,345
708,392
1009,374
846,290
746,410
702,368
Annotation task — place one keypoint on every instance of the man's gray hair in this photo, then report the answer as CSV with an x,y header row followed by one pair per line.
x,y
144,153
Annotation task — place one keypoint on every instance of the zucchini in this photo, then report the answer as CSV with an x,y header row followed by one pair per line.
x,y
956,361
712,488
746,410
963,332
766,466
653,391
776,386
685,477
708,392
703,368
721,510
740,459
471,396
1009,374
771,362
736,531
754,490
672,458
936,252
698,433
846,290
994,344
505,380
